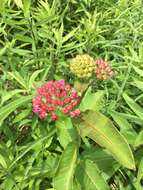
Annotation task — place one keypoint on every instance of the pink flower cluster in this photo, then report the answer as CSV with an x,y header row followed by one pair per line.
x,y
53,96
103,70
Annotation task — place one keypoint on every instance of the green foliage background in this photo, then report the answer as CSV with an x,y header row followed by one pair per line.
x,y
37,40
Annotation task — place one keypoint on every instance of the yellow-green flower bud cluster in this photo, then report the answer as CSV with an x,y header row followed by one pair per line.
x,y
82,66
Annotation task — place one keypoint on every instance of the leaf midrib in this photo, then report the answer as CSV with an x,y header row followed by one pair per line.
x,y
71,168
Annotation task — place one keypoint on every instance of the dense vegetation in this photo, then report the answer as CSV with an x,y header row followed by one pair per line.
x,y
99,145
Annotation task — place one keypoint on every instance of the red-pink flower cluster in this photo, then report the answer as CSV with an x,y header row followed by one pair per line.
x,y
103,70
53,96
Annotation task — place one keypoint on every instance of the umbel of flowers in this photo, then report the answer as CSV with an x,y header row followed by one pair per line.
x,y
84,66
54,96
103,69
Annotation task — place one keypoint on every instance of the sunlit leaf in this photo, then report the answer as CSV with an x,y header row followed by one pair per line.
x,y
65,171
100,129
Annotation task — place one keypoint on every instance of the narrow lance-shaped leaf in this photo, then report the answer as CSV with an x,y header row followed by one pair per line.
x,y
133,105
100,129
19,79
26,7
140,176
121,121
64,175
7,109
138,71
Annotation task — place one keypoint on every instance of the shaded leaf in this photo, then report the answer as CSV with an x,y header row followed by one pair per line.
x,y
140,176
133,105
7,109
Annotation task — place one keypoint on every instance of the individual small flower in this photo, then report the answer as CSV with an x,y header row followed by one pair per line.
x,y
103,69
82,66
54,96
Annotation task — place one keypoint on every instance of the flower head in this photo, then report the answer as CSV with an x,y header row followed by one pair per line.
x,y
82,66
103,69
53,96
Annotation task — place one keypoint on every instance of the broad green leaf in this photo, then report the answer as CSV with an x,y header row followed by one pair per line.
x,y
133,105
65,172
140,176
90,176
92,101
7,109
101,157
100,129
66,131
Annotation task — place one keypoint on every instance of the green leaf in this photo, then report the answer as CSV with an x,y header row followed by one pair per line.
x,y
121,121
140,176
2,161
133,105
76,184
26,8
92,101
101,157
139,84
7,109
64,175
100,129
125,127
19,79
69,35
19,3
90,176
30,146
33,77
23,38
139,139
6,95
138,71
66,131
21,115
9,183
2,7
